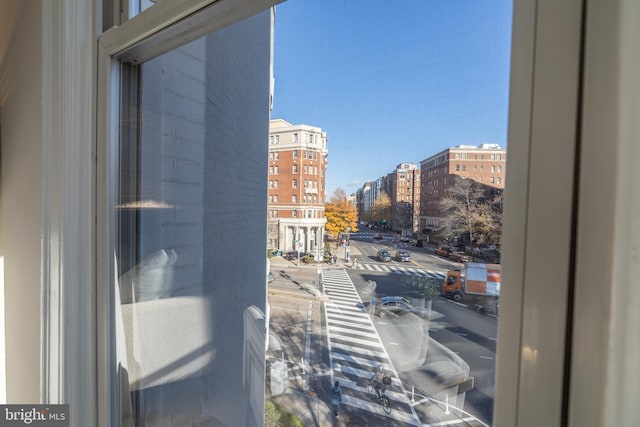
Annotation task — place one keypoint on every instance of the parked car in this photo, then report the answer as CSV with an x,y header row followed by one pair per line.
x,y
403,256
444,251
384,255
270,277
291,256
397,306
492,256
377,236
458,256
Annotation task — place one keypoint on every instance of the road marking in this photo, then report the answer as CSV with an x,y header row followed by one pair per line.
x,y
486,357
359,348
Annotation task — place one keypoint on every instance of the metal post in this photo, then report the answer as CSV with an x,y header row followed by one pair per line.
x,y
446,411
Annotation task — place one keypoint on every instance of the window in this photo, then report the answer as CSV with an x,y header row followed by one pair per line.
x,y
294,183
294,214
163,299
277,155
277,139
493,168
275,198
295,169
295,154
457,168
294,199
295,138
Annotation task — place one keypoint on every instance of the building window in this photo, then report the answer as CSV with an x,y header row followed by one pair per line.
x,y
294,183
270,156
305,170
275,198
492,180
275,184
295,154
294,214
295,138
295,168
305,183
294,199
499,180
270,184
275,170
493,168
277,155
464,168
457,168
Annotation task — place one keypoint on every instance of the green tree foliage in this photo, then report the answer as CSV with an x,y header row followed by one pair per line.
x,y
467,210
420,287
340,214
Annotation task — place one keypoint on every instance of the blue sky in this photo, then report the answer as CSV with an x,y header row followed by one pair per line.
x,y
392,84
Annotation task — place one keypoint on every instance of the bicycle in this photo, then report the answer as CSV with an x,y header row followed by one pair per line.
x,y
377,391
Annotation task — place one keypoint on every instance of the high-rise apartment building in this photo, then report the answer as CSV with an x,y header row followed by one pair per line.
x,y
484,164
403,188
297,166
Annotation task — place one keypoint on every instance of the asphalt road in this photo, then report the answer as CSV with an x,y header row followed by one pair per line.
x,y
409,340
469,334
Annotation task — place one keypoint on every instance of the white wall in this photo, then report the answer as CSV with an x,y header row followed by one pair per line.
x,y
20,97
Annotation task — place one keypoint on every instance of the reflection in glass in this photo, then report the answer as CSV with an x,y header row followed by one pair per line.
x,y
189,321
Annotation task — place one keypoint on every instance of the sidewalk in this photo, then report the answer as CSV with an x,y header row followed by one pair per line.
x,y
313,411
279,261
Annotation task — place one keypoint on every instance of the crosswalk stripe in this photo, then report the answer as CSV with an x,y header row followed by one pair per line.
x,y
359,350
351,324
361,361
337,329
401,270
358,319
353,339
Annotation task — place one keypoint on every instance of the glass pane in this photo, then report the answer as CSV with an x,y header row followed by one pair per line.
x,y
190,324
411,105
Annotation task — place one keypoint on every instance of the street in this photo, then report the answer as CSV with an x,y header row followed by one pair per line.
x,y
442,366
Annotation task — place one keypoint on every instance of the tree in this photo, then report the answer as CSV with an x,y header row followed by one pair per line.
x,y
382,209
340,214
426,288
466,210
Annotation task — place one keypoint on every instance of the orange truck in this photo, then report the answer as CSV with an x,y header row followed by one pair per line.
x,y
477,283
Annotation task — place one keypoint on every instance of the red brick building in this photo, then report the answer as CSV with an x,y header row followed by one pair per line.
x,y
297,167
485,164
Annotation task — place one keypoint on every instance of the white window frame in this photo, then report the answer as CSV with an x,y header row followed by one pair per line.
x,y
159,29
544,91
